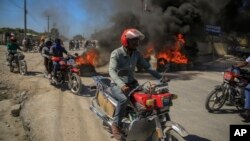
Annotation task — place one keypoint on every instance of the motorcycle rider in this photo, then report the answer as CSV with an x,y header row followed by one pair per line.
x,y
57,50
12,48
47,57
121,70
246,113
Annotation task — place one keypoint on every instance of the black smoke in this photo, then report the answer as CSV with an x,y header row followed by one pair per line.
x,y
163,19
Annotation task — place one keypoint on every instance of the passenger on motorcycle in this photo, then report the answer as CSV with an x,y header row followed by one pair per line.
x,y
246,113
47,57
41,44
121,70
12,48
57,50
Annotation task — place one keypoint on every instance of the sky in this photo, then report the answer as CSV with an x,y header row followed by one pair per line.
x,y
71,17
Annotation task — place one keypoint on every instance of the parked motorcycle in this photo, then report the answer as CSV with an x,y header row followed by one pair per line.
x,y
147,114
232,90
68,73
16,61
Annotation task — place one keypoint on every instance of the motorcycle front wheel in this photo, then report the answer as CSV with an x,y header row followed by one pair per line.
x,y
75,84
171,135
216,99
23,67
35,49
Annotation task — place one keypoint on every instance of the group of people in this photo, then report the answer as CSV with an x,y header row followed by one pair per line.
x,y
123,61
75,44
48,50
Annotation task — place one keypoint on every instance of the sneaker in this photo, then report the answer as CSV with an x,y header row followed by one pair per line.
x,y
116,132
55,80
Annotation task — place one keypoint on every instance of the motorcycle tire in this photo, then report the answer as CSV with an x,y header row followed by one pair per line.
x,y
220,100
170,135
75,84
35,49
22,67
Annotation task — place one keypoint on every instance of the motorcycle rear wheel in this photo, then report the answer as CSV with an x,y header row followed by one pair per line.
x,y
23,67
171,135
217,97
75,84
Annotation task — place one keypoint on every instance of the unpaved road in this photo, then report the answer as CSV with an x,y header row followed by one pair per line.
x,y
52,114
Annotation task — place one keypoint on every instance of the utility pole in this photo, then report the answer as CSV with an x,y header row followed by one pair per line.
x,y
48,27
25,19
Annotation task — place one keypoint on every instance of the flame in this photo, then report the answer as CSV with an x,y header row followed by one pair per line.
x,y
173,54
149,50
88,58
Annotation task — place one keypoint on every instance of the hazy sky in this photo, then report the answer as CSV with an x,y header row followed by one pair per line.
x,y
70,16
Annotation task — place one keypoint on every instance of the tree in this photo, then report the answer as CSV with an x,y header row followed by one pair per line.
x,y
78,37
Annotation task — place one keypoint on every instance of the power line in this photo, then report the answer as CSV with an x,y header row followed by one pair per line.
x,y
34,19
16,5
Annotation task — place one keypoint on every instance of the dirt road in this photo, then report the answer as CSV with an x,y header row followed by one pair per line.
x,y
52,114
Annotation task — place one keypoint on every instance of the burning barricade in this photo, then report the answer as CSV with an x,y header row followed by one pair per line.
x,y
87,62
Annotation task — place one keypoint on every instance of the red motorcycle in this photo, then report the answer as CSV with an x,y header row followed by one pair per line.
x,y
147,114
67,73
232,90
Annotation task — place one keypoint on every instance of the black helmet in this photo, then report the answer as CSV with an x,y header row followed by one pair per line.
x,y
48,42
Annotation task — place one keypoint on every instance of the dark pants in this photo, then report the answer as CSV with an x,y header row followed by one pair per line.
x,y
122,102
56,67
247,97
48,65
11,57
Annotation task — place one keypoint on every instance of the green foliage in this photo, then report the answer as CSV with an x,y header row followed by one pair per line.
x,y
17,31
78,37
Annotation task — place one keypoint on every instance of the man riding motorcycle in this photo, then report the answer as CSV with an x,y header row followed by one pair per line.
x,y
12,48
57,50
246,113
121,69
47,57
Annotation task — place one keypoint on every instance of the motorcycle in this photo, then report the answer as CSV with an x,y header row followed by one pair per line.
x,y
16,61
147,114
67,73
232,90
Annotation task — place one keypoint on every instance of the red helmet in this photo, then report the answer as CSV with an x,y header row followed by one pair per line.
x,y
180,36
130,34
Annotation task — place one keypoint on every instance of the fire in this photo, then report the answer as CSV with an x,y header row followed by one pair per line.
x,y
149,50
174,54
88,58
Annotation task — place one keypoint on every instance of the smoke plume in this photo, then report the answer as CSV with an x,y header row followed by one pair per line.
x,y
161,20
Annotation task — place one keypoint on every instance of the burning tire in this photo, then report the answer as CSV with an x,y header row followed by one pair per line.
x,y
75,84
161,64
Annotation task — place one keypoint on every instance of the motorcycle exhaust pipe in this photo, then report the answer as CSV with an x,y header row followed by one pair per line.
x,y
100,115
